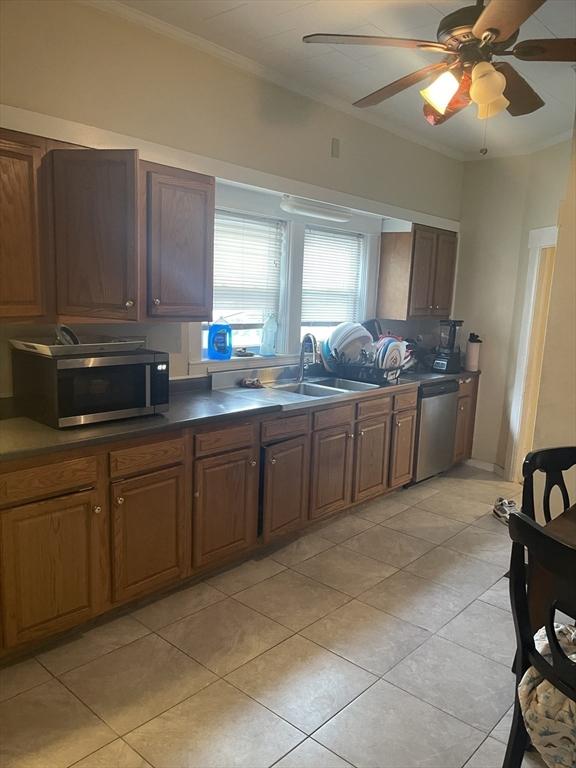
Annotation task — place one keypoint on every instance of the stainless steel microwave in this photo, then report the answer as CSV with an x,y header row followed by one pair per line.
x,y
80,389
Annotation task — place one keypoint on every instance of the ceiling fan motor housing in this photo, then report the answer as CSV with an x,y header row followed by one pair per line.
x,y
455,31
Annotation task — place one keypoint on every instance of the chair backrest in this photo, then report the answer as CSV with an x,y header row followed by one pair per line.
x,y
553,462
558,559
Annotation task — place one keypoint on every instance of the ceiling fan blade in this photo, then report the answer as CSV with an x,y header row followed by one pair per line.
x,y
396,42
504,17
522,97
399,85
549,49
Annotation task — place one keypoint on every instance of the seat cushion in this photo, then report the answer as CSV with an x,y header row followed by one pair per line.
x,y
549,715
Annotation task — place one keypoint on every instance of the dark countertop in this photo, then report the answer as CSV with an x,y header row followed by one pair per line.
x,y
22,437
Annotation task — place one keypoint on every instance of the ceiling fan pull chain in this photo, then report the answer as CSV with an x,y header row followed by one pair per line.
x,y
484,150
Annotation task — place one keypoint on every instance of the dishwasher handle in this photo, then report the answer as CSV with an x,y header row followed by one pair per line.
x,y
438,388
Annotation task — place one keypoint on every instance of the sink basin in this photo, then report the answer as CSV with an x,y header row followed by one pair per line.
x,y
305,388
349,386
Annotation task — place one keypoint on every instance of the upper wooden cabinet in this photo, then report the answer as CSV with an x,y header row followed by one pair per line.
x,y
416,273
179,234
95,233
23,276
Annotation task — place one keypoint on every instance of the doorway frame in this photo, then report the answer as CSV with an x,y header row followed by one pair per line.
x,y
541,258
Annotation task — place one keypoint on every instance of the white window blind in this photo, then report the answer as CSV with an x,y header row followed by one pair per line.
x,y
248,251
332,276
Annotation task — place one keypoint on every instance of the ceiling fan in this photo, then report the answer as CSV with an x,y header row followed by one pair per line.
x,y
468,39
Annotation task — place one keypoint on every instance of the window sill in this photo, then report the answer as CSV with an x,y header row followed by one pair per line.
x,y
205,367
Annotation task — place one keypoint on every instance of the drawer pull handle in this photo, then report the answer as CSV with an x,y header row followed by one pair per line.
x,y
272,461
97,509
156,302
252,462
120,500
129,304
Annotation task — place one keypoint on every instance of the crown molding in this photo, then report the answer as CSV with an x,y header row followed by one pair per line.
x,y
266,73
523,151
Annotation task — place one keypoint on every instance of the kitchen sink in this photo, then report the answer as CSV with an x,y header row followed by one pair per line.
x,y
347,385
305,388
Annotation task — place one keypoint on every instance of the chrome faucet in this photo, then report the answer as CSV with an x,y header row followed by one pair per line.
x,y
301,366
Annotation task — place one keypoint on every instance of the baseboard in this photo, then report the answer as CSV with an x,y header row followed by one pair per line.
x,y
485,465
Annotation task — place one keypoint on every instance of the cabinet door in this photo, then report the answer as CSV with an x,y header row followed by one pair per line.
x,y
402,454
148,524
22,278
371,458
447,243
331,481
422,278
180,244
54,565
226,505
95,232
286,474
463,428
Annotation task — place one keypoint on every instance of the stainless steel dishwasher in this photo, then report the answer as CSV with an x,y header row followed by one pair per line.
x,y
436,427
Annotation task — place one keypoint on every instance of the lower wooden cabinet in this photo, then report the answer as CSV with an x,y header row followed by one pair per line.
x,y
286,468
148,531
226,505
332,465
402,450
54,566
371,457
463,438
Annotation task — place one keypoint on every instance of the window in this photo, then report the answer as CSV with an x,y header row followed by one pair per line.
x,y
248,254
331,280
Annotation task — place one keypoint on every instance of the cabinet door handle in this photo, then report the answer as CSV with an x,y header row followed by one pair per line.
x,y
252,462
398,424
156,301
361,434
272,461
196,494
467,381
129,304
437,306
97,509
350,435
120,500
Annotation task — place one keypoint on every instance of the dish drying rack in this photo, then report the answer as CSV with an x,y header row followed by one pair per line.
x,y
367,372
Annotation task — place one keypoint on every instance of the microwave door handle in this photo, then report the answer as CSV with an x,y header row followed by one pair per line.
x,y
147,383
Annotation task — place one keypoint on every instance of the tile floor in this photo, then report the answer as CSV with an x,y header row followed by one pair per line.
x,y
381,639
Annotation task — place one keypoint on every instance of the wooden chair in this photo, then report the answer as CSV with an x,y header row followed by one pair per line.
x,y
558,558
553,462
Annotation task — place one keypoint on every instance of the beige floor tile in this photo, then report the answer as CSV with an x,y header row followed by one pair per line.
x,y
301,549
301,682
137,682
418,601
391,547
178,605
47,727
466,510
483,490
246,575
366,636
466,574
484,545
92,644
115,755
415,493
344,528
424,525
490,523
292,599
456,680
310,754
388,728
485,629
502,729
498,595
219,727
346,570
491,753
18,678
469,472
225,635
377,510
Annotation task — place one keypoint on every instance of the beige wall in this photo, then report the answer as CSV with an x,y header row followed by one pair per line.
x,y
503,200
71,61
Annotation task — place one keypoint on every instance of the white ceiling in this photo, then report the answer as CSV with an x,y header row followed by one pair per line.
x,y
269,32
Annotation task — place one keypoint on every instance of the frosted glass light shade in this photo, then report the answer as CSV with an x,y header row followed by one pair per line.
x,y
439,93
493,108
481,69
488,87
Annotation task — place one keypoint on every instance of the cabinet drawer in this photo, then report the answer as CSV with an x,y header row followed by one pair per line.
x,y
332,417
406,400
375,407
48,480
466,386
144,457
225,439
290,426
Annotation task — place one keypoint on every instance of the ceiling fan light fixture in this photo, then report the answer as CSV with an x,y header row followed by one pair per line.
x,y
488,86
485,111
440,92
